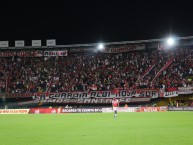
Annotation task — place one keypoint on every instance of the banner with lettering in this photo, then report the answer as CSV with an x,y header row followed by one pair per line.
x,y
19,43
4,44
126,48
51,42
136,109
36,43
33,53
96,97
89,49
86,100
181,108
171,94
93,97
14,111
185,90
151,109
55,53
140,93
21,53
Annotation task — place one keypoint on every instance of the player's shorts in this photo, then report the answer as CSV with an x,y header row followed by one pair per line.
x,y
115,108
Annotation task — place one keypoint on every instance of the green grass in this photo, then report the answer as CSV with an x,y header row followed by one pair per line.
x,y
153,128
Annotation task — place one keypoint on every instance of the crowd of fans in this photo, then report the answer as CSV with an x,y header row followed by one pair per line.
x,y
97,71
176,74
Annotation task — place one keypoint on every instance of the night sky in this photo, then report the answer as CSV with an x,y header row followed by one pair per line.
x,y
94,21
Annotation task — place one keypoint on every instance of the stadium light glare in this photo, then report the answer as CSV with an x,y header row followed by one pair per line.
x,y
101,46
170,41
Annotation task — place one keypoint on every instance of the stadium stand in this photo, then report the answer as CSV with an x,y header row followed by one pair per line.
x,y
137,74
148,68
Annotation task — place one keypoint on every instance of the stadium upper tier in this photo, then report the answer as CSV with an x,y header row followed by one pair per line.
x,y
84,71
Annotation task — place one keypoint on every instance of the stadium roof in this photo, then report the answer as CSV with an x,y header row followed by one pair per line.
x,y
96,44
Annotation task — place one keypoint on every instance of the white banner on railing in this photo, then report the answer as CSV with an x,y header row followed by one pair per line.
x,y
51,42
36,42
4,44
19,43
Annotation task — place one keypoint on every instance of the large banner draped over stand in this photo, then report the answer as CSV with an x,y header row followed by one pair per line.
x,y
99,97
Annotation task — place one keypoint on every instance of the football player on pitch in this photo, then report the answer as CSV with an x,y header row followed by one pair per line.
x,y
115,105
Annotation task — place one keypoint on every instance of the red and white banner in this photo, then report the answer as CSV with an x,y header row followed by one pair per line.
x,y
136,109
174,92
80,110
91,97
126,48
126,109
84,100
14,111
122,94
45,110
33,53
7,54
185,90
119,109
55,53
139,93
21,53
64,110
171,89
171,94
151,109
99,97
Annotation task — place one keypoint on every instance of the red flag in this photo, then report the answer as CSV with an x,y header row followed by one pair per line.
x,y
115,91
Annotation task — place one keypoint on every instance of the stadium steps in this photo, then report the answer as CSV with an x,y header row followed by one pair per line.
x,y
54,64
8,81
163,68
146,72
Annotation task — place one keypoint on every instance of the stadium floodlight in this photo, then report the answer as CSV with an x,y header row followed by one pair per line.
x,y
101,46
170,41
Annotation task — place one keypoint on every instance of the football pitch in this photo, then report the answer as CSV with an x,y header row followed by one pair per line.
x,y
147,128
